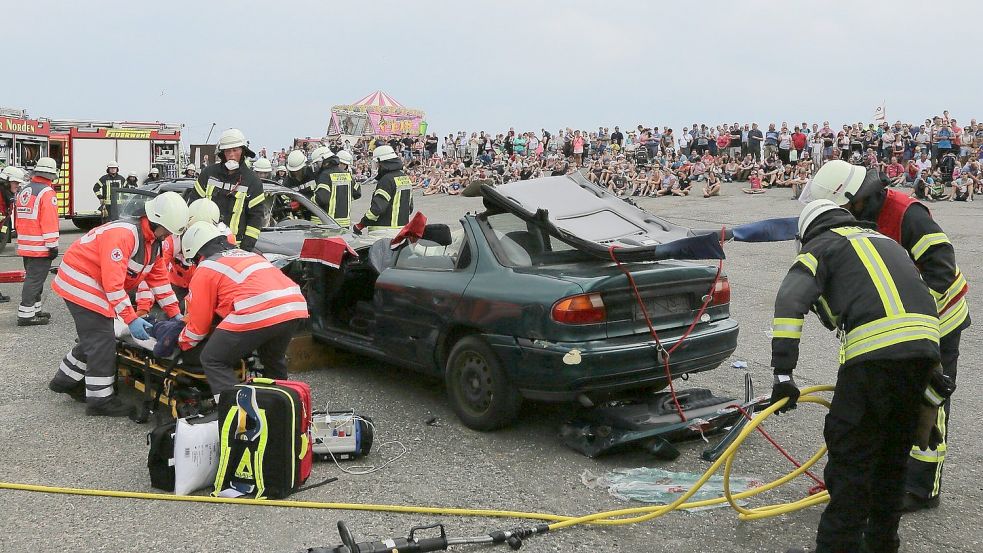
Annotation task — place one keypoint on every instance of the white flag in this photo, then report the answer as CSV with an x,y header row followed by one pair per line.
x,y
880,114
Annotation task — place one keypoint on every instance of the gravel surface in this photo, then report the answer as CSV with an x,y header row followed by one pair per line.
x,y
47,439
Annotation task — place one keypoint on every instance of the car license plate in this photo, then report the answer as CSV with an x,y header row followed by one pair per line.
x,y
660,306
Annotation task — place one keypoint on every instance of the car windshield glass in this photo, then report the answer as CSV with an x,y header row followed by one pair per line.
x,y
520,244
130,204
288,210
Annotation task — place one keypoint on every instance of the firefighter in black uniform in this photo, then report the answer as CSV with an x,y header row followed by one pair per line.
x,y
867,195
863,285
392,201
299,175
236,190
336,188
153,176
131,180
103,188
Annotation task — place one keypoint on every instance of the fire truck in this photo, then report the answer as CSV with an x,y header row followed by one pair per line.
x,y
84,148
23,141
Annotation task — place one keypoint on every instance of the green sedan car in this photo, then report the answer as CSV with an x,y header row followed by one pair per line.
x,y
524,302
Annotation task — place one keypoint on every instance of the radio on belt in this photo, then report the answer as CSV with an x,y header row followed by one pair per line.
x,y
343,434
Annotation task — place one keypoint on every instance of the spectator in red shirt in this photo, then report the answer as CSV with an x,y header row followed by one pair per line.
x,y
799,140
895,172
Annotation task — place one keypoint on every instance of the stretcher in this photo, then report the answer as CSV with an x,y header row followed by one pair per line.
x,y
183,388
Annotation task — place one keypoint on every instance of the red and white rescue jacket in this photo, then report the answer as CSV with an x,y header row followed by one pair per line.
x,y
245,290
100,269
179,270
37,218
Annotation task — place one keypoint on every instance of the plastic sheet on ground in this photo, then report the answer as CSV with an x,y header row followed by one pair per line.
x,y
662,487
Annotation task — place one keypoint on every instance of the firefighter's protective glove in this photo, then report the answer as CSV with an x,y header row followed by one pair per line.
x,y
140,328
784,388
248,244
927,433
357,229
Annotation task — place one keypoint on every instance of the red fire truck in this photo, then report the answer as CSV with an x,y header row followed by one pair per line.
x,y
84,148
22,140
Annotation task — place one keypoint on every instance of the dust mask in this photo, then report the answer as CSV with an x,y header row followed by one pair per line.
x,y
232,165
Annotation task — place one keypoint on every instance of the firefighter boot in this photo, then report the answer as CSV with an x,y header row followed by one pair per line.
x,y
75,390
33,321
39,313
112,407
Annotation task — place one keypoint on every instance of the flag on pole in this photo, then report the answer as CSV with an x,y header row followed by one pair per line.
x,y
880,114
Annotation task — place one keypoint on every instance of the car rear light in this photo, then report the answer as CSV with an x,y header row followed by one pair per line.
x,y
579,310
721,292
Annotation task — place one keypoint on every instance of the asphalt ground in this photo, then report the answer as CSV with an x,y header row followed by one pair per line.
x,y
47,439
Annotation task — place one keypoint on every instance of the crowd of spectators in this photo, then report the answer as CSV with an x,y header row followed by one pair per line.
x,y
938,159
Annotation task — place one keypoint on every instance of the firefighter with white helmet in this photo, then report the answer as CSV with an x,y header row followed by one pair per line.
x,y
131,180
867,194
191,171
154,175
281,173
235,188
862,285
392,201
336,189
104,187
263,168
95,277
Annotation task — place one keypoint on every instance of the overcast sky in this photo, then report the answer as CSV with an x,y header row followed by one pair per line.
x,y
274,69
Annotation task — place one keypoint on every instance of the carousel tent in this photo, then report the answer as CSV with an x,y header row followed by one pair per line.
x,y
376,114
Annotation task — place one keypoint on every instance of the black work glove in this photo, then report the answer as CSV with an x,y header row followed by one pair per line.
x,y
927,433
357,229
248,243
784,388
52,253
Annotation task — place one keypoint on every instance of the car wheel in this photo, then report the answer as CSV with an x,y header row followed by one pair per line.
x,y
479,389
86,224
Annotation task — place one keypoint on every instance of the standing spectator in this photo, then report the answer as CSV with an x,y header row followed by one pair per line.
x,y
578,149
754,140
799,140
784,145
617,137
736,147
771,141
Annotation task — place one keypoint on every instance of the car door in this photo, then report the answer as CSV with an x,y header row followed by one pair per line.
x,y
417,296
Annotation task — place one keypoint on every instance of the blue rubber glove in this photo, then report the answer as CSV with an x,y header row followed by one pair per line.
x,y
139,328
178,317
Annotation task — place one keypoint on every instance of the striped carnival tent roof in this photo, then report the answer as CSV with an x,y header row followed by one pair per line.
x,y
379,98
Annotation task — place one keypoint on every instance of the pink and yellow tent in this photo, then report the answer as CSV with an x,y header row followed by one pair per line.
x,y
377,114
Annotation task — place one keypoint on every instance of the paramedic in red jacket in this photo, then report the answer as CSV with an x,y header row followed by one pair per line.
x,y
259,307
37,238
95,278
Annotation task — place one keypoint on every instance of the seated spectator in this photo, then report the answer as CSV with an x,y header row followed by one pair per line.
x,y
699,169
712,187
744,170
770,171
730,170
962,189
756,183
895,172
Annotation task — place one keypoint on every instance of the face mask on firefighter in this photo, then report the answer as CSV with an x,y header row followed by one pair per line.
x,y
231,165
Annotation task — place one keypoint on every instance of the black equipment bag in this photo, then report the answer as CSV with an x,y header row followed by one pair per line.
x,y
160,460
260,452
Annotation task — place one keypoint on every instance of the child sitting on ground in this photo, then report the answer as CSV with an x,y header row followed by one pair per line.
x,y
755,180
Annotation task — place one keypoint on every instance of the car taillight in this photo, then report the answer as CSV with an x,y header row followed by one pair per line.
x,y
579,310
721,292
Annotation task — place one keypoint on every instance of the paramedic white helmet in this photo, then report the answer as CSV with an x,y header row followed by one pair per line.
x,y
14,174
169,211
203,210
837,181
47,166
197,236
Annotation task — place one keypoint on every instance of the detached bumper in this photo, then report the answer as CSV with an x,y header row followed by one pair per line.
x,y
538,369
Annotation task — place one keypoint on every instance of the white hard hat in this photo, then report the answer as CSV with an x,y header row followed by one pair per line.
x,y
169,211
231,138
112,165
383,153
811,211
131,174
281,168
46,165
320,154
191,167
345,157
263,165
15,174
197,236
203,210
296,160
154,171
837,181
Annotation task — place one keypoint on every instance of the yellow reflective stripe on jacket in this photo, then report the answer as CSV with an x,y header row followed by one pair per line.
x,y
237,211
809,261
404,187
252,232
786,328
824,305
260,198
953,317
384,194
879,275
201,191
888,331
926,242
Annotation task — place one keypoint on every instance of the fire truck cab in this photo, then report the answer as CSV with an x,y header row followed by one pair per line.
x,y
23,141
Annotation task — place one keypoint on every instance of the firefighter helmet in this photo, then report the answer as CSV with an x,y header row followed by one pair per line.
x,y
48,166
320,154
837,181
191,167
296,160
203,210
112,165
233,138
281,168
14,174
197,236
812,211
131,174
262,165
345,157
383,153
169,211
154,171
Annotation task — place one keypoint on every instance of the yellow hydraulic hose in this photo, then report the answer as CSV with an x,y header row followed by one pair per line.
x,y
607,518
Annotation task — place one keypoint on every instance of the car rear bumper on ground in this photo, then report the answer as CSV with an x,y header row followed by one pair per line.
x,y
537,367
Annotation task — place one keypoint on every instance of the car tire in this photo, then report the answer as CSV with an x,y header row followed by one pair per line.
x,y
86,224
480,390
